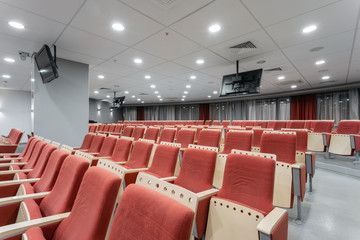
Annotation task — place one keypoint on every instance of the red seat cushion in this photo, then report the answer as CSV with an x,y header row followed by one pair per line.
x,y
30,150
121,150
128,131
146,214
107,147
164,161
96,144
138,133
167,135
140,155
210,138
35,155
87,141
185,137
237,140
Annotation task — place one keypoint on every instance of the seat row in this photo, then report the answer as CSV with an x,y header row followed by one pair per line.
x,y
9,144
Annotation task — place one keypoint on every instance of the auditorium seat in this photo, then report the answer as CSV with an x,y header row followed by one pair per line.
x,y
138,133
215,122
209,137
262,124
207,122
185,137
248,123
243,207
236,123
95,145
106,150
290,176
167,135
277,125
121,151
234,139
255,147
128,131
319,138
25,153
225,123
295,124
10,143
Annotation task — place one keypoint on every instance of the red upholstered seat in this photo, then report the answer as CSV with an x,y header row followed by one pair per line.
x,y
323,126
160,218
215,122
249,180
92,210
128,131
262,124
25,151
87,141
296,124
208,122
225,123
185,137
138,133
348,127
164,161
42,161
277,125
96,144
111,128
118,128
282,145
34,156
140,155
107,147
248,123
210,138
167,135
152,134
28,153
121,150
237,140
106,128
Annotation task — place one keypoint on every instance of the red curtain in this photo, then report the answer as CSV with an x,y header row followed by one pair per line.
x,y
303,107
204,112
140,114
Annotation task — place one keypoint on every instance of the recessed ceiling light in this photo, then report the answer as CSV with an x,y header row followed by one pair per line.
x,y
193,77
96,92
118,27
147,76
215,92
101,76
200,61
138,99
6,76
293,86
108,96
281,77
309,29
16,25
183,96
152,86
320,62
209,96
156,92
138,60
182,99
126,92
188,86
159,96
32,79
133,96
214,28
186,92
142,101
325,77
10,60
160,99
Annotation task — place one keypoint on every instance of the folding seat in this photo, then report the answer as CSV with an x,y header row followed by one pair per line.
x,y
209,137
308,124
277,125
118,128
216,122
345,141
199,122
248,123
106,128
296,124
121,151
128,131
208,122
95,145
225,123
166,218
290,176
106,149
237,123
93,223
319,138
255,147
167,135
111,128
9,145
26,152
262,124
185,137
234,139
86,142
152,133
243,207
138,133
101,128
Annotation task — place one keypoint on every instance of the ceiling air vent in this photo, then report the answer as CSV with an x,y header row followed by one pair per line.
x,y
104,88
172,98
245,45
143,94
273,69
289,82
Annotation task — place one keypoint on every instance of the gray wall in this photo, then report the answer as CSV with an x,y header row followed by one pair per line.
x,y
15,111
61,107
99,111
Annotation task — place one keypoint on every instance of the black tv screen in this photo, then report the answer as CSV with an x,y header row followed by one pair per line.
x,y
241,83
46,65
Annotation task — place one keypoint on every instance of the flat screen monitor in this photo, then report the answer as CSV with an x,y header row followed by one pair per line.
x,y
241,83
46,65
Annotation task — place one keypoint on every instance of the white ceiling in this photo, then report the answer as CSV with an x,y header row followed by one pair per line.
x,y
170,38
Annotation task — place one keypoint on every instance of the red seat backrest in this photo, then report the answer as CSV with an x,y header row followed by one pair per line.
x,y
277,125
207,122
249,180
128,131
164,161
106,128
118,128
62,196
31,148
248,123
96,144
51,172
107,147
283,145
262,124
236,123
152,134
42,161
140,155
121,150
87,141
161,218
238,140
167,135
185,137
93,207
348,127
111,128
34,155
210,138
301,139
323,126
225,123
296,124
27,147
138,133
197,170
215,122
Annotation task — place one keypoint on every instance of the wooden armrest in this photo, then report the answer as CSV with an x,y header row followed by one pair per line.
x,y
15,171
268,224
207,193
168,179
76,148
17,182
90,153
183,149
9,154
18,228
7,159
9,164
120,163
135,170
97,158
297,165
16,199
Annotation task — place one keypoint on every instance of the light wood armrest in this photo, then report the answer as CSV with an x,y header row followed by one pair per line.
x,y
17,182
16,199
168,179
120,163
9,154
183,149
308,153
207,193
97,158
7,159
9,164
15,171
268,224
135,170
76,148
18,228
297,165
90,153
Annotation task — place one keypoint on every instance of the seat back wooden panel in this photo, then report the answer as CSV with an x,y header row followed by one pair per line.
x,y
283,185
340,144
315,142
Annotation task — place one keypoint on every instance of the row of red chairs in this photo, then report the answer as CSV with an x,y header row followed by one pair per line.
x,y
9,144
